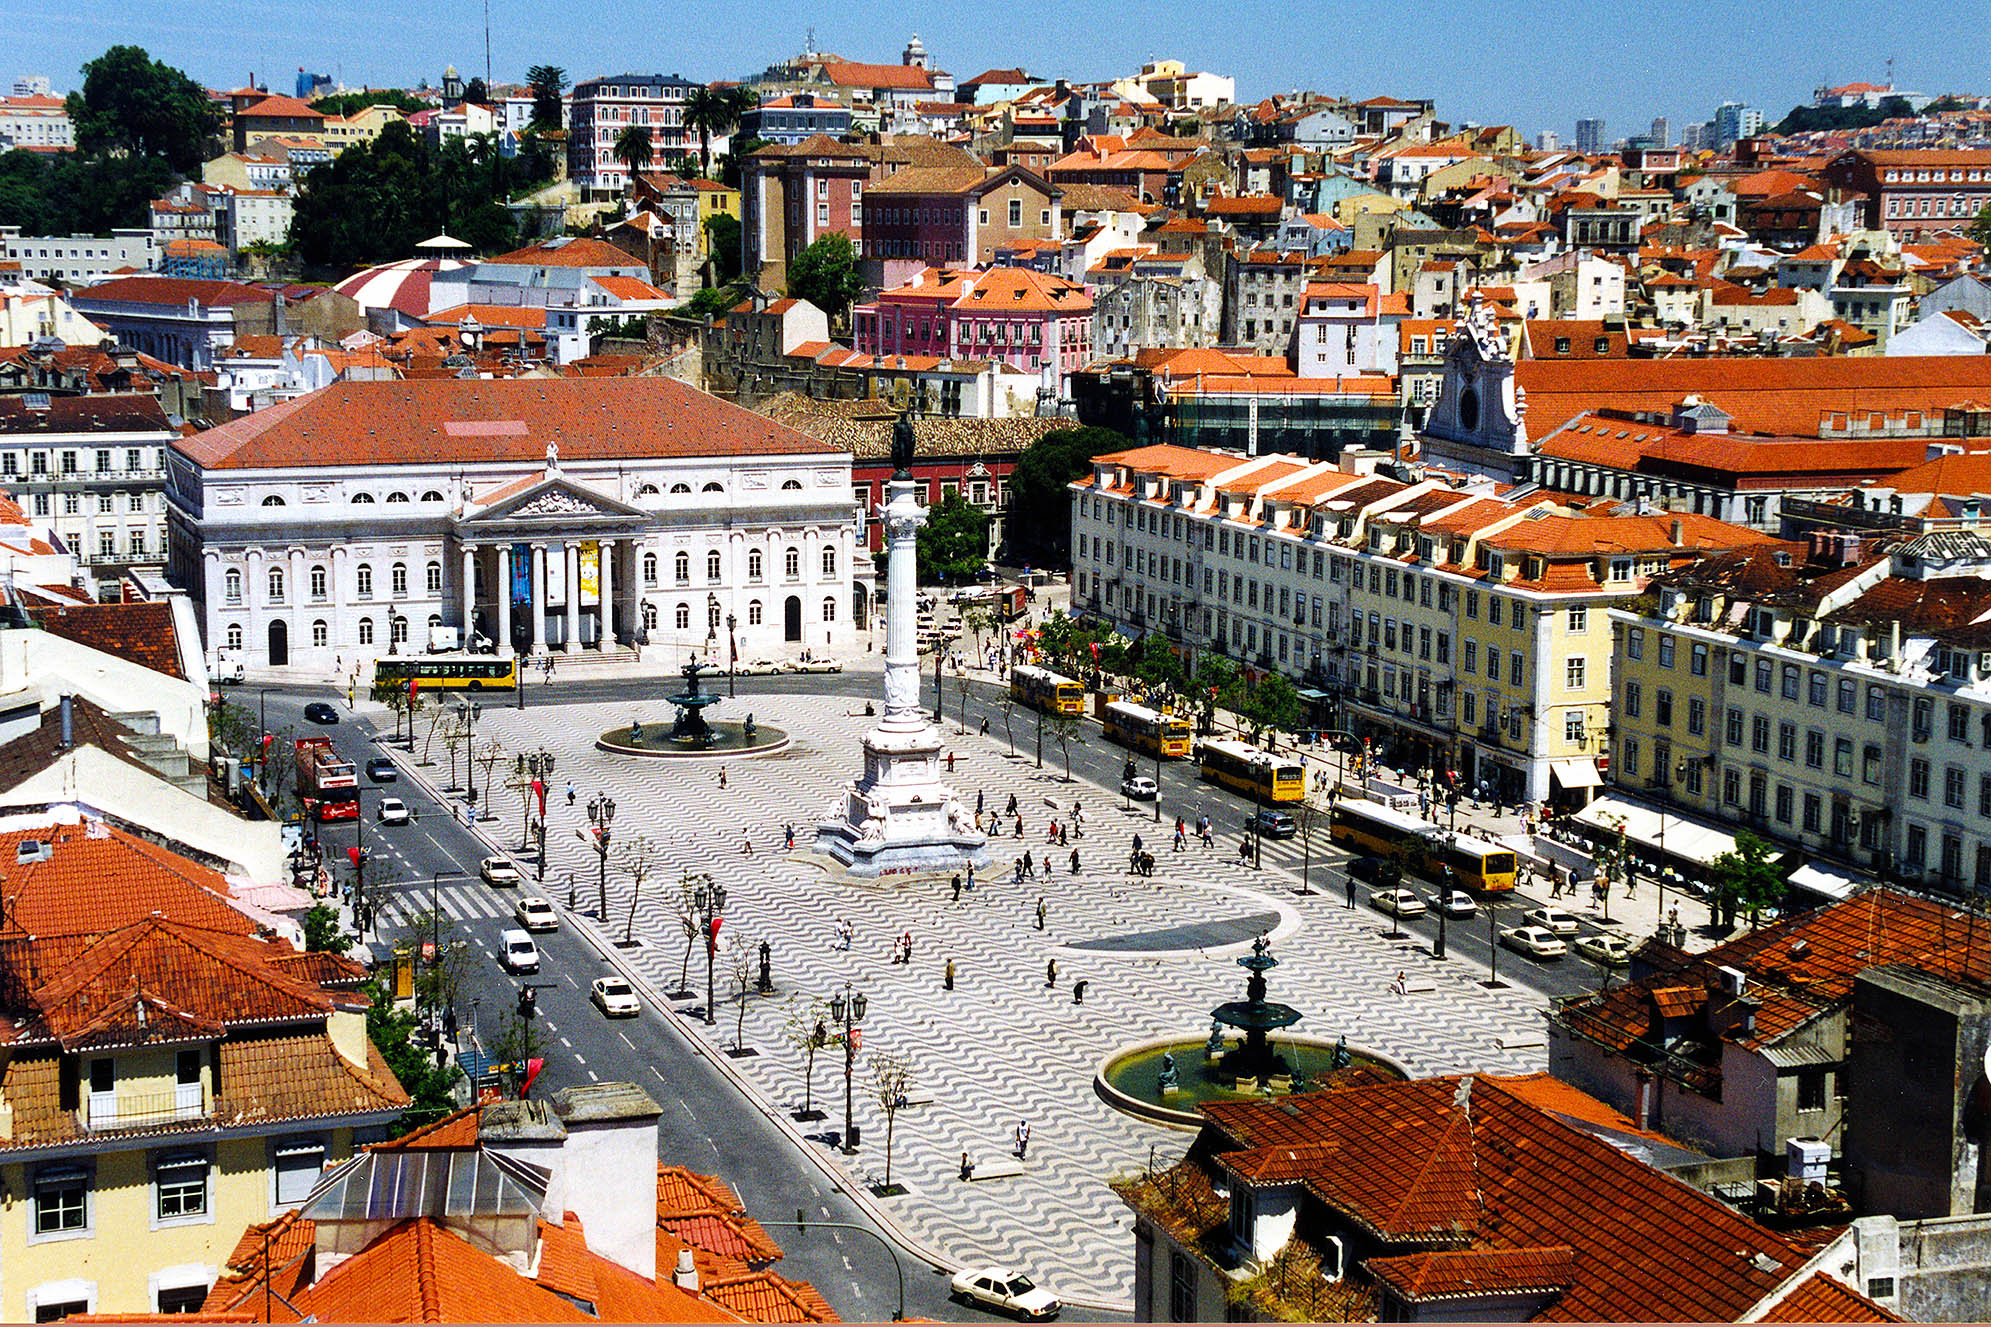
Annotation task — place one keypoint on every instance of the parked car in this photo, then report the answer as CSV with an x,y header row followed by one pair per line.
x,y
499,873
615,997
517,952
1273,824
320,712
1535,941
381,770
1454,903
1377,871
757,667
1141,788
393,811
1554,920
1613,951
1007,1290
816,666
536,914
1397,902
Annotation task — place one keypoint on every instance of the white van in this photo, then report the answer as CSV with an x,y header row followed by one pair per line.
x,y
517,952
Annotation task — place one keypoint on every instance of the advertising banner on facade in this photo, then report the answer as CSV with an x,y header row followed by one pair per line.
x,y
590,571
521,573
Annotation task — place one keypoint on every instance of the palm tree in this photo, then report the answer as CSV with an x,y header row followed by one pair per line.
x,y
714,111
632,149
547,82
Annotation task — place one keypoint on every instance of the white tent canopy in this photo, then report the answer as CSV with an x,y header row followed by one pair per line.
x,y
1693,840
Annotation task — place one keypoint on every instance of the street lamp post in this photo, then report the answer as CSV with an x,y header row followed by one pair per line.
x,y
601,814
710,902
732,655
847,1010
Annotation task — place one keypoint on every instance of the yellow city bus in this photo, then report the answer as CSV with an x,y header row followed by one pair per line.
x,y
469,672
1254,773
1484,867
1147,730
1042,689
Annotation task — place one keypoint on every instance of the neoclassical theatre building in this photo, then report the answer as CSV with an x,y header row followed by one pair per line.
x,y
544,514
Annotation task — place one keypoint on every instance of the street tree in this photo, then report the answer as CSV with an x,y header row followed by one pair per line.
x,y
1746,879
1065,730
808,1030
1159,666
133,106
547,83
232,729
891,1079
322,932
517,1045
826,274
1271,706
430,1086
1008,714
685,909
954,543
1040,502
979,621
490,755
741,967
638,859
1216,680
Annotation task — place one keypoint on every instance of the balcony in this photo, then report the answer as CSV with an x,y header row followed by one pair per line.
x,y
151,1108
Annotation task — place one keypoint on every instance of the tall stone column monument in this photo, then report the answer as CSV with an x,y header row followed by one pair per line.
x,y
899,818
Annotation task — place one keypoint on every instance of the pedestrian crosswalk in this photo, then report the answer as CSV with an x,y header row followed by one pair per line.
x,y
459,902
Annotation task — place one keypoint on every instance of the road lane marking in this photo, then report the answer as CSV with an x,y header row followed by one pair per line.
x,y
625,1039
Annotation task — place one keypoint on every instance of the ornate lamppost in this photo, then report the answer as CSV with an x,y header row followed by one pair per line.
x,y
710,902
847,1010
601,815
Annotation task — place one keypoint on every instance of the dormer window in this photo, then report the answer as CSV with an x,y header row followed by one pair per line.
x,y
1621,569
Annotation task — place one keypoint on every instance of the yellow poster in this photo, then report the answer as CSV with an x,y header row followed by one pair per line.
x,y
591,570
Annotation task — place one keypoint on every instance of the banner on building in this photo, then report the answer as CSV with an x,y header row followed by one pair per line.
x,y
590,570
521,573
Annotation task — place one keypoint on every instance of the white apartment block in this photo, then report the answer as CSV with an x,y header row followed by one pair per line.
x,y
79,258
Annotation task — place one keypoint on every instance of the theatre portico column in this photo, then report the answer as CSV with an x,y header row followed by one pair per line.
x,y
538,556
469,619
505,646
572,550
605,596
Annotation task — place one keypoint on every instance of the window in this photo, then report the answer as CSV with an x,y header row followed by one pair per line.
x,y
1785,798
432,577
714,487
231,584
1842,762
1814,810
180,1186
1870,764
1697,663
1876,703
1697,715
299,1163
791,563
234,635
683,617
712,615
1811,1089
1181,1288
62,1200
397,629
1959,717
1765,675
363,580
753,564
1579,620
1792,680
1572,672
681,567
397,497
1815,689
1731,787
1786,741
1662,707
1759,734
1635,643
276,585
435,495
1572,726
753,612
1732,726
829,609
357,498
317,582
399,580
791,486
829,564
1665,651
649,569
1918,779
1953,782
1849,696
712,565
321,634
366,631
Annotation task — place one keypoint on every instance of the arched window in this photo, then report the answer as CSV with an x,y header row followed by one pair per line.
x,y
791,486
433,495
681,567
317,582
400,580
683,617
714,487
680,488
791,563
829,564
829,609
397,497
276,585
320,633
273,501
235,636
649,616
712,565
363,580
366,631
712,614
647,491
435,620
753,564
362,497
398,628
231,581
649,569
434,578
753,612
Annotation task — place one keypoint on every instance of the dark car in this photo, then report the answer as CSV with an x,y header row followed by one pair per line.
x,y
319,712
1377,872
1273,824
381,770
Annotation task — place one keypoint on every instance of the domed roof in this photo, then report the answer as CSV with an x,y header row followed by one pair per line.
x,y
402,286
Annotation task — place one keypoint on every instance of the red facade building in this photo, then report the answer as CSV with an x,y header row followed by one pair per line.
x,y
1029,320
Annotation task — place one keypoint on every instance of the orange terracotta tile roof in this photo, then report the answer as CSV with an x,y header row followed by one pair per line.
x,y
1584,536
1819,1298
463,421
629,288
704,1212
139,632
92,884
490,315
1463,1273
1654,448
454,1132
1169,459
850,74
580,251
175,290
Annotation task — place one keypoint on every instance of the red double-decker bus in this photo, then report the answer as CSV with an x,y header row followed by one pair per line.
x,y
327,783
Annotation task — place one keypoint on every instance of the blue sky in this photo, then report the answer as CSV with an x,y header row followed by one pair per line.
x,y
1534,65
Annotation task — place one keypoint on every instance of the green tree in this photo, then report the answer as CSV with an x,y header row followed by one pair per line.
x,y
476,91
1160,667
232,730
1272,705
346,103
729,164
131,105
722,242
713,111
954,542
891,1077
322,932
1216,684
1980,229
826,275
632,148
547,83
714,300
1746,879
430,1087
1065,729
1040,500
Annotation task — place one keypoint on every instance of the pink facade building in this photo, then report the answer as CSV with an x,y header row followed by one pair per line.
x,y
1028,320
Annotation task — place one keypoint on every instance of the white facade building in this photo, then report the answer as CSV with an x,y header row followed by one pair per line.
x,y
543,515
79,258
93,469
37,123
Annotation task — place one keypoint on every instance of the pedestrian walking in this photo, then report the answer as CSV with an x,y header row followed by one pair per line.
x,y
1022,1140
906,948
788,837
722,776
1137,841
1040,912
570,792
948,979
747,845
981,800
985,725
1029,866
895,952
1050,972
1010,810
1074,861
971,877
967,1168
957,886
1401,985
950,762
1017,879
1019,826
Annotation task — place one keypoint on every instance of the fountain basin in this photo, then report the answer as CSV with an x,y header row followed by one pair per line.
x,y
726,739
1127,1078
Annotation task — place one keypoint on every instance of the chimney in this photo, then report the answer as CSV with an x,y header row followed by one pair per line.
x,y
68,725
1677,533
686,1275
610,1163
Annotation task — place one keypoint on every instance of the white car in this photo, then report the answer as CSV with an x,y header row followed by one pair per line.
x,y
1551,919
1141,788
1454,903
517,952
1534,941
816,666
757,668
1010,1291
1613,951
536,914
393,811
499,873
614,997
1397,902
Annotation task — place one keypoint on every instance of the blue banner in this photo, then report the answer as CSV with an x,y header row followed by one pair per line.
x,y
521,573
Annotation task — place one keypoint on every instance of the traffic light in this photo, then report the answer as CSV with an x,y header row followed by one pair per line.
x,y
527,1000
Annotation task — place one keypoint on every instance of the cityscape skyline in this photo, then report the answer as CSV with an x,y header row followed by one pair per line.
x,y
1512,73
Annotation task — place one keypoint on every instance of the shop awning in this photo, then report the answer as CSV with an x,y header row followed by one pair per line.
x,y
1691,840
1815,878
1574,774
